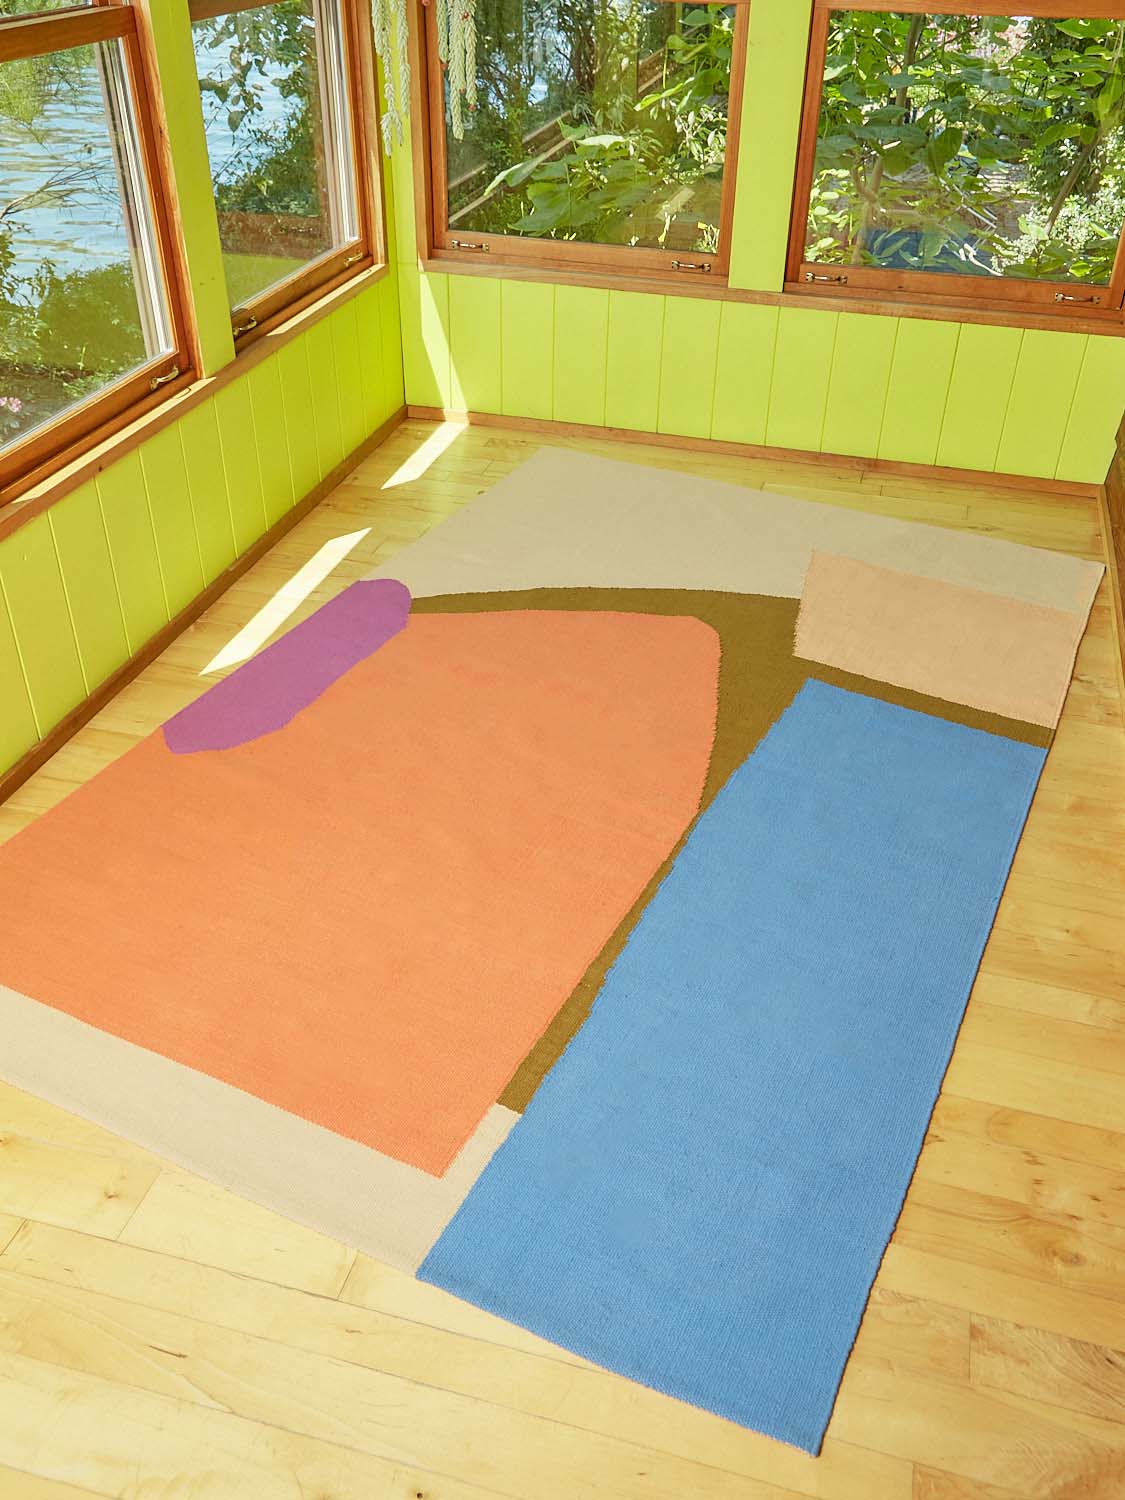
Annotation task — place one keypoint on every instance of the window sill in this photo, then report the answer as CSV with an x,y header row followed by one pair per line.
x,y
99,455
718,288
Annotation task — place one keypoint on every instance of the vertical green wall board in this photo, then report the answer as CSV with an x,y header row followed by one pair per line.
x,y
978,396
581,332
425,336
635,336
744,373
132,548
32,584
1099,399
177,546
297,399
394,392
349,381
857,386
687,366
324,379
1040,402
240,445
207,486
527,328
18,729
474,343
369,319
802,364
918,389
767,146
268,405
91,590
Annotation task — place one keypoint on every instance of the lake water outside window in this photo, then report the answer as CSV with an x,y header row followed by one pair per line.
x,y
600,122
279,136
983,146
82,303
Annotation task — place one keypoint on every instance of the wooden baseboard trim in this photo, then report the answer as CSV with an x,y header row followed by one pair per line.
x,y
83,712
859,466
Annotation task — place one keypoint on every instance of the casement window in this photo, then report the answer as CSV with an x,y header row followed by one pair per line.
x,y
287,105
92,320
595,133
965,158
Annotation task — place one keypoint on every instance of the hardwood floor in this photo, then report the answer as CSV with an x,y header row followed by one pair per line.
x,y
163,1340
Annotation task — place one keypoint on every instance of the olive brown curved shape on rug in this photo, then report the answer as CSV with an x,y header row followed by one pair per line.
x,y
759,676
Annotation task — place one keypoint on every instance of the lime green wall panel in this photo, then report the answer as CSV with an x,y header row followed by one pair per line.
x,y
802,364
349,378
921,370
744,373
394,394
767,149
635,336
132,548
687,366
474,343
18,729
1040,402
425,337
177,546
527,327
207,486
240,444
91,589
857,385
32,583
581,332
268,405
979,389
324,379
300,428
1096,412
372,358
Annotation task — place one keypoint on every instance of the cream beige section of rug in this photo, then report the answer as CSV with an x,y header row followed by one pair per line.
x,y
383,1207
566,519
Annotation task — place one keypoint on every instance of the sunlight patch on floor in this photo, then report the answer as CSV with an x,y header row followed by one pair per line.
x,y
269,619
425,454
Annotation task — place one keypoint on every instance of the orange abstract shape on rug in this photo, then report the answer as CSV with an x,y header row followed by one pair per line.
x,y
370,916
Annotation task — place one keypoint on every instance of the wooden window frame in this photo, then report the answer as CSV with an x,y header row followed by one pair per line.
x,y
257,316
54,444
506,252
937,289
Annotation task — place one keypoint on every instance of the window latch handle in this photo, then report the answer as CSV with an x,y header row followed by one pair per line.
x,y
470,245
1066,297
692,265
353,259
836,280
241,328
158,380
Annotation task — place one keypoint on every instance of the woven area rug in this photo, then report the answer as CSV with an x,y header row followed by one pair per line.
x,y
578,913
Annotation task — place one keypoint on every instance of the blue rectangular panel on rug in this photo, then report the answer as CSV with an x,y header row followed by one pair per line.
x,y
701,1191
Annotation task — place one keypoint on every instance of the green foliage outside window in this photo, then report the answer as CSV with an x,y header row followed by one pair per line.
x,y
982,145
603,121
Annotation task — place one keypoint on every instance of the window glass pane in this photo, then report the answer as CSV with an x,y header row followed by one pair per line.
x,y
602,121
81,302
35,7
980,145
274,87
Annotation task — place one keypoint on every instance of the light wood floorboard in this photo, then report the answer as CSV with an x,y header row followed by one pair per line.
x,y
161,1339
